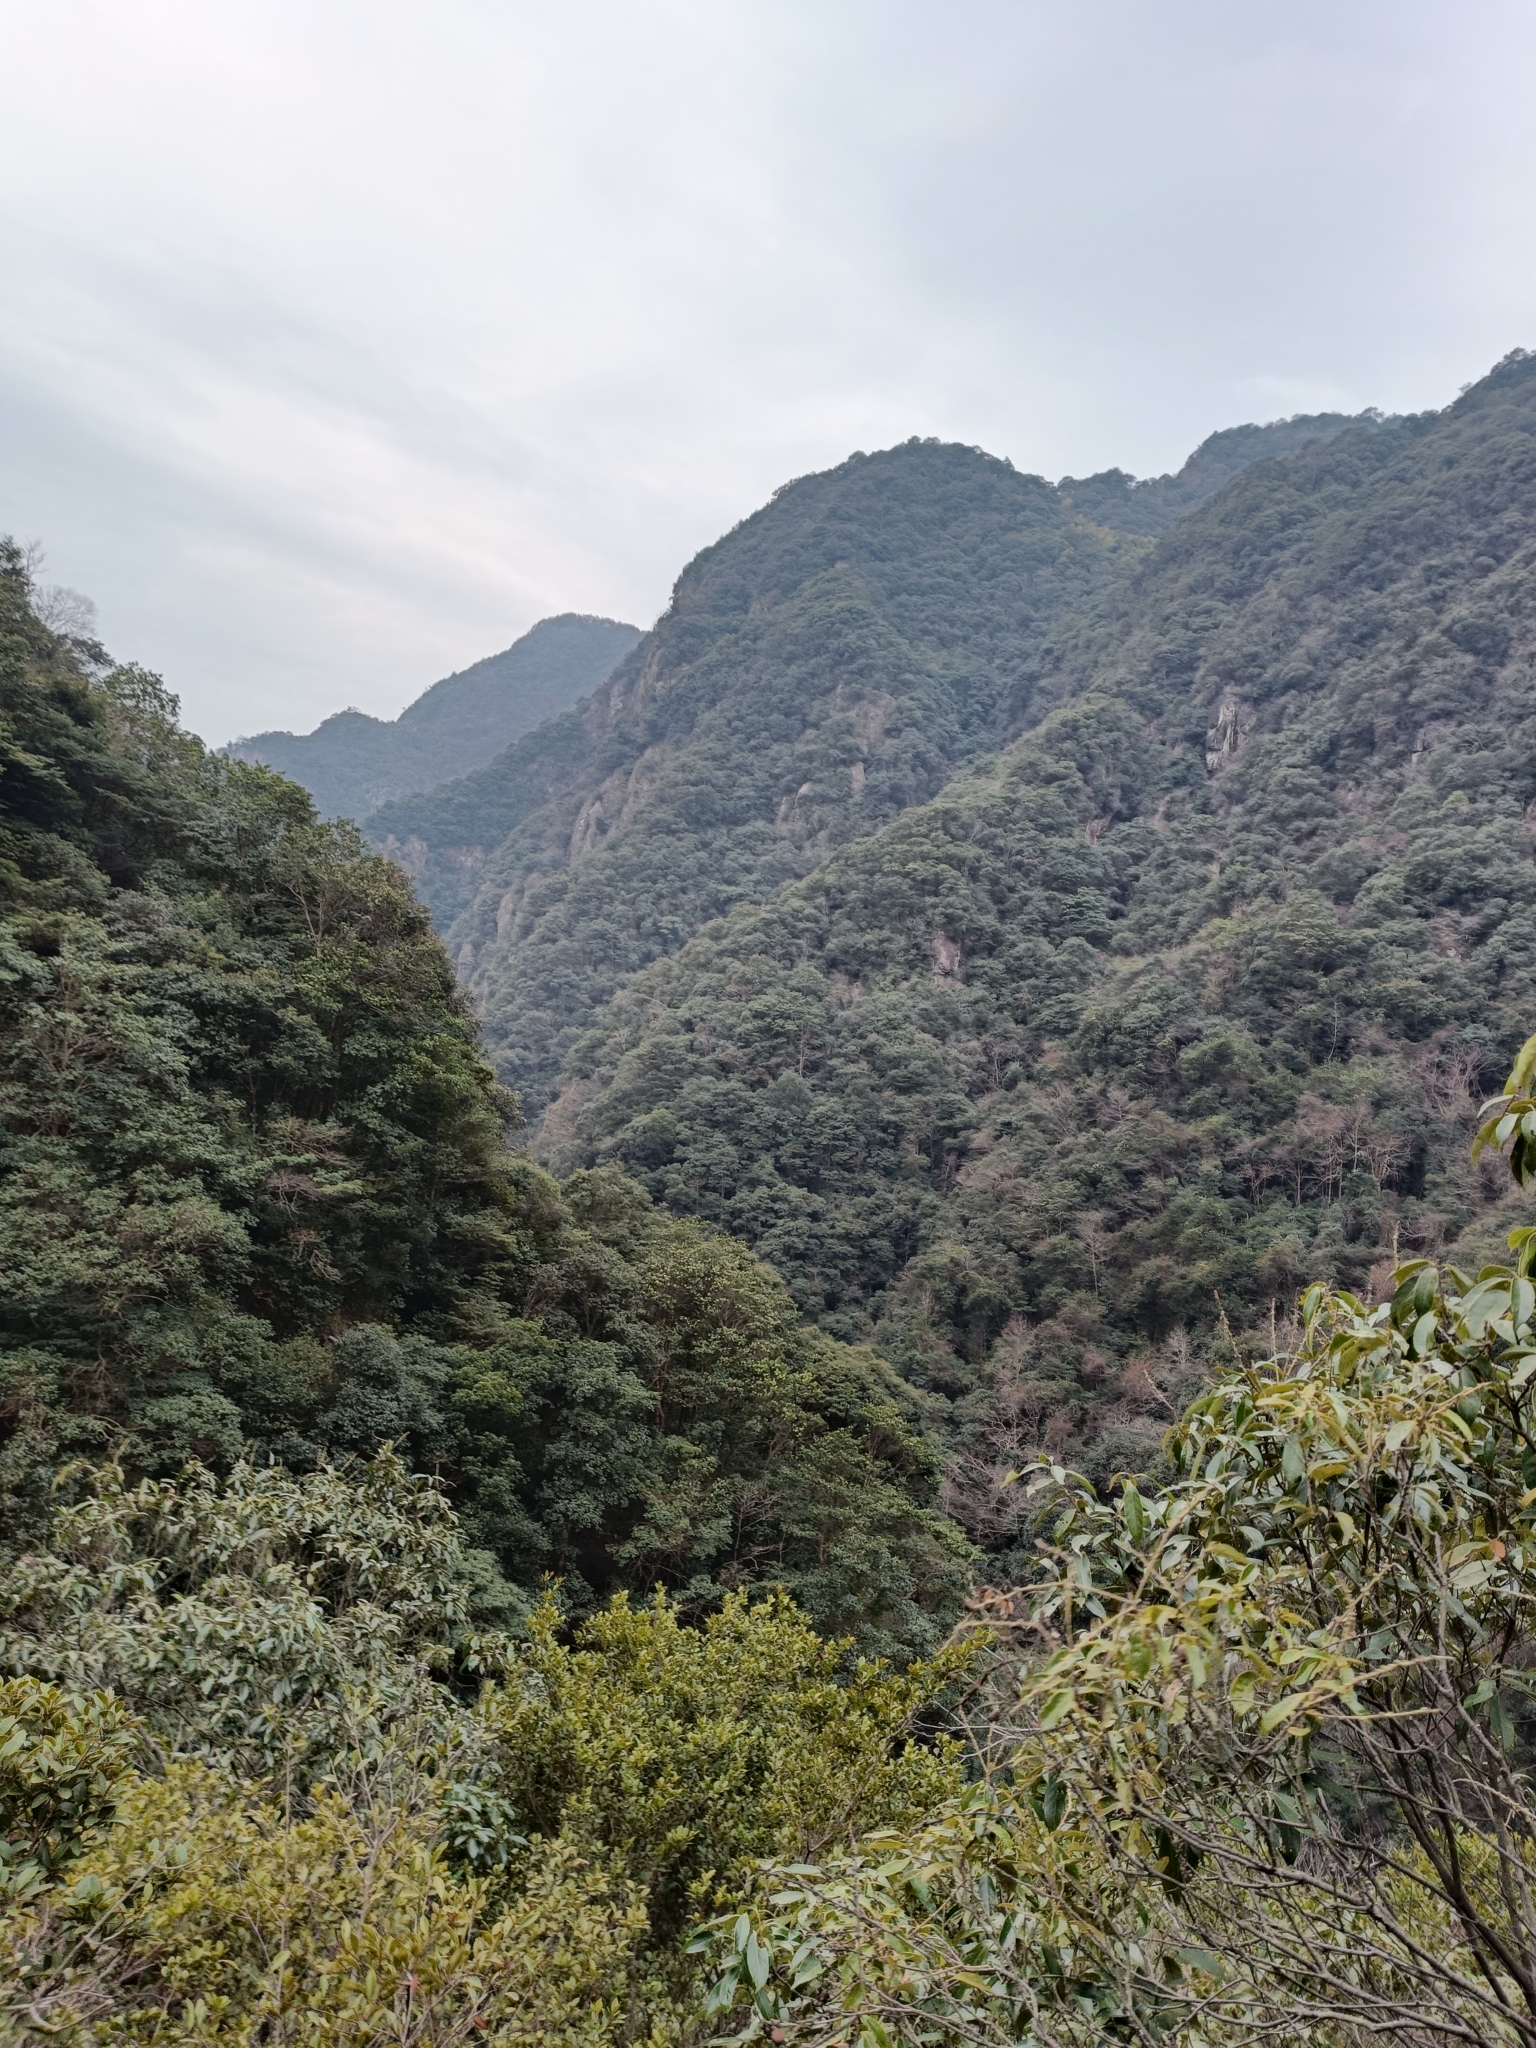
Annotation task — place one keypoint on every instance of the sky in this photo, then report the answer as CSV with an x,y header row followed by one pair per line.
x,y
341,340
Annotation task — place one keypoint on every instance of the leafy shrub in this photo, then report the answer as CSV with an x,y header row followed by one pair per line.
x,y
674,1755
211,1914
264,1621
62,1756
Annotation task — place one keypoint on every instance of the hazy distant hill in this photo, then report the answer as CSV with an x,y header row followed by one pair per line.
x,y
352,763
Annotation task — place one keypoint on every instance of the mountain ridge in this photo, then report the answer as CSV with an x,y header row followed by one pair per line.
x,y
1179,999
353,762
833,658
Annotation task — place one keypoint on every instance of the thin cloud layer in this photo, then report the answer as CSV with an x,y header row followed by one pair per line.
x,y
340,342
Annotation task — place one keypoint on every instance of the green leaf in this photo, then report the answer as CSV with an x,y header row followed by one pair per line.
x,y
1523,1071
1282,1710
722,1993
1503,1729
1048,1796
1488,1300
1203,1960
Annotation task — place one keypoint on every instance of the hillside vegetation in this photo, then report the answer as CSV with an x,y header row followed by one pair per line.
x,y
437,1597
351,763
829,663
1184,996
256,1199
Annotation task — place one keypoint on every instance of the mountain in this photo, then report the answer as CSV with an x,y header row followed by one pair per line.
x,y
1052,1085
829,663
1065,1077
351,763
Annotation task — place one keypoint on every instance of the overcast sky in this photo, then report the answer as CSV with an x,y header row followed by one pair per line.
x,y
340,340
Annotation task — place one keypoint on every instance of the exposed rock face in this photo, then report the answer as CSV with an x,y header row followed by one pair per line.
x,y
1231,723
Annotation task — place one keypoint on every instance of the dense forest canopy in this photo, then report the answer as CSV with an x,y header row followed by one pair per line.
x,y
1188,993
351,763
255,1191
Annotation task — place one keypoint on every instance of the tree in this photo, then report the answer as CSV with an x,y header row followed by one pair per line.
x,y
1255,1763
315,1807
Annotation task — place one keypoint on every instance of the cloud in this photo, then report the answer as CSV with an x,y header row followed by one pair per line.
x,y
342,341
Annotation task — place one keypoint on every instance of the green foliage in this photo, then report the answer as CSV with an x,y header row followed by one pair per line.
x,y
210,1914
239,1095
62,1755
668,1421
256,1202
675,1755
264,1622
1513,1122
327,1838
1254,1761
351,763
1055,1084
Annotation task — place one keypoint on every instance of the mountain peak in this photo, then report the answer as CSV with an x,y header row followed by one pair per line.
x,y
353,762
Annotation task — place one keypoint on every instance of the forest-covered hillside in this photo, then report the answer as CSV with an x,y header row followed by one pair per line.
x,y
437,1594
1185,996
830,662
256,1198
351,763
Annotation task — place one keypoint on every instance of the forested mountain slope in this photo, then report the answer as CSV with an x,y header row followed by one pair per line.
x,y
827,664
1186,994
351,763
256,1199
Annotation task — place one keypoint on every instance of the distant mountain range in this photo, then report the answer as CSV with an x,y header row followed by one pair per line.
x,y
352,763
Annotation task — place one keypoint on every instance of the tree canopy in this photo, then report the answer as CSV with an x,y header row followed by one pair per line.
x,y
1187,994
256,1196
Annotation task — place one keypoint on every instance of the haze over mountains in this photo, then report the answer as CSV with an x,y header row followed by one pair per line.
x,y
351,763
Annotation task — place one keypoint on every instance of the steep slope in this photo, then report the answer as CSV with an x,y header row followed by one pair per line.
x,y
1187,994
351,763
255,1192
829,663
